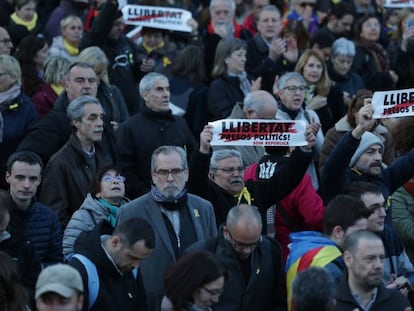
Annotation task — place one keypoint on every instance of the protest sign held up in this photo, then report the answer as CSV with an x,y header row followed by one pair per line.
x,y
157,17
251,132
393,104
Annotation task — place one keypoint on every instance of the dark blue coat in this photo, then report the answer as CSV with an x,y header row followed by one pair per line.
x,y
18,117
40,225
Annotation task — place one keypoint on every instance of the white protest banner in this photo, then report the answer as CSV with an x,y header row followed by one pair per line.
x,y
157,17
398,3
393,104
252,132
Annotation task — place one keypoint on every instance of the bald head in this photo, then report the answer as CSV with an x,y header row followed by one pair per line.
x,y
260,105
5,43
244,215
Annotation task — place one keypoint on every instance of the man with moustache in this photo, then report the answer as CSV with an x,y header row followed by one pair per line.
x,y
179,219
358,157
70,171
218,177
362,287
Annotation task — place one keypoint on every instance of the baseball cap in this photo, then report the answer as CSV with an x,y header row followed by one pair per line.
x,y
61,279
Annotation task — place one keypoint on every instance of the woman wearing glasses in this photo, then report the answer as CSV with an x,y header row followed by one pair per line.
x,y
291,91
104,201
194,283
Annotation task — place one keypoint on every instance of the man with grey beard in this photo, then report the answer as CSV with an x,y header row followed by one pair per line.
x,y
362,288
178,218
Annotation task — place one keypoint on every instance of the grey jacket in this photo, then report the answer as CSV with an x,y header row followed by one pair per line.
x,y
84,219
162,257
58,49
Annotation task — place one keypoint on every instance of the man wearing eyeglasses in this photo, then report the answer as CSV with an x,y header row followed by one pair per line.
x,y
6,44
253,262
398,268
178,218
218,177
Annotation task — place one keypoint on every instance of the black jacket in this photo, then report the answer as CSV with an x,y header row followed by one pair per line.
x,y
258,63
265,192
123,68
387,299
117,291
265,290
139,136
51,132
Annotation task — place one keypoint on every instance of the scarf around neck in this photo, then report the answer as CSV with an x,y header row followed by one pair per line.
x,y
30,25
72,50
113,210
6,103
171,204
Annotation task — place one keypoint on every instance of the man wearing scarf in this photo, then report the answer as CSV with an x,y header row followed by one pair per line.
x,y
178,218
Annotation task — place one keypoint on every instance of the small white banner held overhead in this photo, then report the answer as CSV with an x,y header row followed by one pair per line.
x,y
157,17
393,104
252,132
398,3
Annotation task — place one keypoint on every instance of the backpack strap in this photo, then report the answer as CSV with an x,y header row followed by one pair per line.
x,y
93,279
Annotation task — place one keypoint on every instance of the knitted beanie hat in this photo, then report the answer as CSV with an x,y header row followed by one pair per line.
x,y
367,140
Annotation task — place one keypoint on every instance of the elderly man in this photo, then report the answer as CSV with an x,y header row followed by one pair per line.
x,y
267,54
51,132
253,262
59,287
256,105
362,287
153,126
6,44
70,171
220,180
178,218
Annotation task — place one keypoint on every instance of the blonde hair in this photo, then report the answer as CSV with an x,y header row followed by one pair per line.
x,y
95,57
11,66
324,84
67,20
54,69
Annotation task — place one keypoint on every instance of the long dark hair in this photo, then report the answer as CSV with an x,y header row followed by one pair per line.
x,y
190,273
25,53
189,64
13,296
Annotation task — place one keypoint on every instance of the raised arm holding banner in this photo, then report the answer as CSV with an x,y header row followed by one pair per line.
x,y
252,132
393,104
157,17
